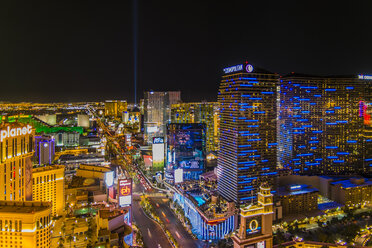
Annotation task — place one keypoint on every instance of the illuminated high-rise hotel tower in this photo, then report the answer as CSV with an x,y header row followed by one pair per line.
x,y
247,157
323,124
157,112
16,151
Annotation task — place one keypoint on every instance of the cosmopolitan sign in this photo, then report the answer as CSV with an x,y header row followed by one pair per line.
x,y
235,68
14,132
365,77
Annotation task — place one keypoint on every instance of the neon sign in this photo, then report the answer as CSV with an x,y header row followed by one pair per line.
x,y
234,68
158,140
249,68
363,112
14,132
295,187
365,77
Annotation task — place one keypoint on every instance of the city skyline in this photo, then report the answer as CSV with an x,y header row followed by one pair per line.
x,y
198,124
89,47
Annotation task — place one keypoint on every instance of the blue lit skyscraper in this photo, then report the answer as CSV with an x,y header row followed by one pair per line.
x,y
248,146
321,124
367,133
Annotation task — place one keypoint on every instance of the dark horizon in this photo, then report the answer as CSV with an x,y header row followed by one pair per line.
x,y
76,53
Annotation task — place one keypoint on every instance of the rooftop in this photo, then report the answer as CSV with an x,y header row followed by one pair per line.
x,y
352,183
284,191
23,206
47,168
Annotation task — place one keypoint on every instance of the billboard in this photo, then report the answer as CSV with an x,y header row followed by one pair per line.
x,y
112,193
178,176
109,178
186,149
125,192
158,153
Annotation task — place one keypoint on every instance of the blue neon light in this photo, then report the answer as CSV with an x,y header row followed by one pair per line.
x,y
305,154
250,134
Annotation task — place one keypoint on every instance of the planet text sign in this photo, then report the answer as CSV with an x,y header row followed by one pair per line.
x,y
125,192
14,132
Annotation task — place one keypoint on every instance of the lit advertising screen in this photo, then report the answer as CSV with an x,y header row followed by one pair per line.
x,y
127,219
152,129
125,192
109,178
178,176
186,149
158,153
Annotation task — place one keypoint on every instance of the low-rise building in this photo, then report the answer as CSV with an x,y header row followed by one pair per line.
x,y
307,244
25,224
110,223
211,217
64,138
92,171
297,199
352,191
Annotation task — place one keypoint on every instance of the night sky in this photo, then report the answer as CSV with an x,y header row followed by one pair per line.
x,y
61,51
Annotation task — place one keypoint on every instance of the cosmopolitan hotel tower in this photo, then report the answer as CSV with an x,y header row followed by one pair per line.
x,y
248,145
323,124
16,151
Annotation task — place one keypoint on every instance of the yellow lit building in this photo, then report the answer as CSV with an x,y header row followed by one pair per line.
x,y
298,199
16,151
352,191
25,224
256,222
200,112
115,108
92,171
307,244
48,185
